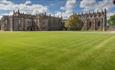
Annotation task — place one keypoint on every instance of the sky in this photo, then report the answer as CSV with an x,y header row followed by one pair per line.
x,y
59,8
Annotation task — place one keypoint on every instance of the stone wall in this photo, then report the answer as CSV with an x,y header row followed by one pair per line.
x,y
25,22
93,21
42,22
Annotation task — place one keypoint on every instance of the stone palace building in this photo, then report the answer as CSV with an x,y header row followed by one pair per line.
x,y
42,22
93,21
27,22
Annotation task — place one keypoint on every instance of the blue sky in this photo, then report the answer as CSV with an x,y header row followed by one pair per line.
x,y
55,7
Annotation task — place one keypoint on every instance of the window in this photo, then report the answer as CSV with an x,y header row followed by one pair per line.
x,y
98,23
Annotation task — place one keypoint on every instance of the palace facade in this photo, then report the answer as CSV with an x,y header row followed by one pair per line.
x,y
27,22
42,22
93,21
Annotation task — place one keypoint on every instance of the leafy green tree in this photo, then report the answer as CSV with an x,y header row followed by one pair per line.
x,y
73,23
112,20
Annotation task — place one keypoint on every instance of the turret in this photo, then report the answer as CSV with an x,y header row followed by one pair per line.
x,y
13,11
105,11
18,12
45,13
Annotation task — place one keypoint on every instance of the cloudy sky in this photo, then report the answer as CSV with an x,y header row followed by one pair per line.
x,y
55,7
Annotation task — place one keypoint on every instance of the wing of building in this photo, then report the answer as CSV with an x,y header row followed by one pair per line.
x,y
27,22
42,22
93,21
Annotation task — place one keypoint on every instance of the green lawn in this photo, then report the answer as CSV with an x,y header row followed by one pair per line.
x,y
57,51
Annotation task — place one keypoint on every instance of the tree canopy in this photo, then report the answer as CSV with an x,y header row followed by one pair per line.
x,y
72,23
112,20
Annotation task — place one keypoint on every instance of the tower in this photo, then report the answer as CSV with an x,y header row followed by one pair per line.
x,y
105,20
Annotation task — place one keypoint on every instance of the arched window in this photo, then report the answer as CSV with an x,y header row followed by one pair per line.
x,y
99,23
90,24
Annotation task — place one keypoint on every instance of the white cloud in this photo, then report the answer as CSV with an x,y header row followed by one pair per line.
x,y
26,7
108,4
93,5
88,4
70,5
67,9
58,14
28,3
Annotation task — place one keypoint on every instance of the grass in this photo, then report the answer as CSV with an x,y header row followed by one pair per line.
x,y
57,51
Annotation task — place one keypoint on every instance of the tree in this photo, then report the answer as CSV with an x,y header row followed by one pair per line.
x,y
112,20
73,23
